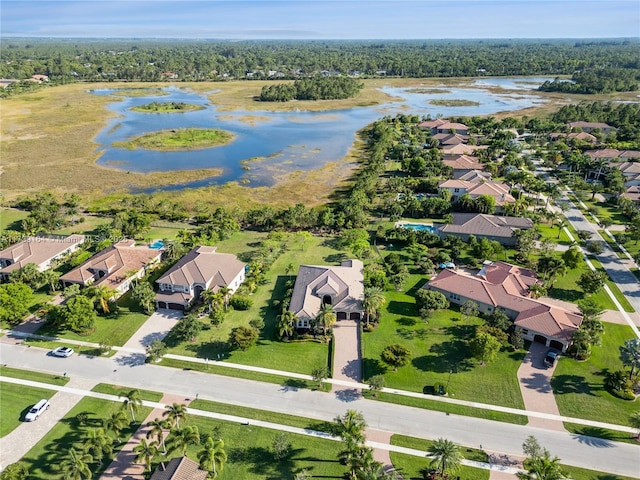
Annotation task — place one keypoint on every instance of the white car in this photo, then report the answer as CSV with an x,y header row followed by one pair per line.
x,y
62,352
37,410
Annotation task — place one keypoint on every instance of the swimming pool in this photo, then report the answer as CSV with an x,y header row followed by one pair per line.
x,y
157,245
419,226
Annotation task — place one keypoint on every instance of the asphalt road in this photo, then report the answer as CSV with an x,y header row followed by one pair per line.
x,y
587,452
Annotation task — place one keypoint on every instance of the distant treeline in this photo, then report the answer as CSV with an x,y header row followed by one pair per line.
x,y
625,117
317,88
602,80
173,60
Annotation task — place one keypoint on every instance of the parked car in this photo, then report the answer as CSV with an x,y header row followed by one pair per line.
x,y
37,410
551,358
62,352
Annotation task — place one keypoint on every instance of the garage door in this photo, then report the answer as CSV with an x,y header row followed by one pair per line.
x,y
341,315
176,306
540,339
354,316
556,344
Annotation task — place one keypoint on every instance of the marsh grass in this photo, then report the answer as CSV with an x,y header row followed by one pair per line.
x,y
178,140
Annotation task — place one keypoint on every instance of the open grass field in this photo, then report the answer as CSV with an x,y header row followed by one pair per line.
x,y
269,352
438,348
16,400
578,386
44,458
567,289
33,376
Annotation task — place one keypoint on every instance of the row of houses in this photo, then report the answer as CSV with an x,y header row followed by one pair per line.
x,y
119,265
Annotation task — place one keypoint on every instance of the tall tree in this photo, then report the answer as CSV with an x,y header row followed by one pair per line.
x,y
75,466
115,423
396,355
145,453
132,401
326,317
175,413
157,428
445,456
630,355
286,323
98,444
212,457
181,438
373,301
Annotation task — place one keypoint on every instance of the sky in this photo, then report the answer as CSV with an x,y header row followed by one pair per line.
x,y
321,19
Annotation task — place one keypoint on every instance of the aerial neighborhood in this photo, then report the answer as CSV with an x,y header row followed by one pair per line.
x,y
232,290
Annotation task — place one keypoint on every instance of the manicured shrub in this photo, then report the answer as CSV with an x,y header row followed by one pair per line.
x,y
240,302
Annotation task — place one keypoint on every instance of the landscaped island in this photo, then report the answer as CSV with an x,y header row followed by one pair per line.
x,y
167,107
179,139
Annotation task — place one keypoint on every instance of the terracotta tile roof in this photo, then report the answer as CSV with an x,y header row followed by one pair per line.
x,y
117,261
550,321
181,468
37,250
462,149
451,138
203,266
629,154
476,176
603,153
589,125
627,168
463,162
486,225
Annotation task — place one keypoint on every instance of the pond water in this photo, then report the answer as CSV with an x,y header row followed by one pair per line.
x,y
283,141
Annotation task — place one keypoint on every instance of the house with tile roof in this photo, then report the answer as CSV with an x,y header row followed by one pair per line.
x,y
115,267
203,268
444,126
591,126
451,138
476,176
503,286
462,164
491,227
41,251
340,286
630,172
179,468
498,191
582,136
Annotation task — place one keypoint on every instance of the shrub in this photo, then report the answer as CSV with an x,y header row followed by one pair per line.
x,y
241,302
440,389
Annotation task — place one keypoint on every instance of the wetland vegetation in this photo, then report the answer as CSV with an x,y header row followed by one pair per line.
x,y
167,107
180,139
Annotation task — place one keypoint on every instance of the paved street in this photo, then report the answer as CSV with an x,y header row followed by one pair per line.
x,y
597,454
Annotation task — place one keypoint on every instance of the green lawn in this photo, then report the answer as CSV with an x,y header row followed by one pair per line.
x,y
16,400
43,459
410,468
33,376
577,473
423,444
578,386
114,329
567,289
438,348
551,232
268,352
614,289
605,210
11,219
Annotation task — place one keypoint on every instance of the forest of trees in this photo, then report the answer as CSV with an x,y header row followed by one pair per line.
x,y
73,60
602,80
316,88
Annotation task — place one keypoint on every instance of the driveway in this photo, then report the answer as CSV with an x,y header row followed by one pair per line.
x,y
347,364
156,327
535,385
16,444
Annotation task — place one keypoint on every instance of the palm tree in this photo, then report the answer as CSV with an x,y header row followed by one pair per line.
x,y
175,413
373,300
75,466
157,429
133,401
361,461
101,294
98,444
543,467
351,426
561,224
446,456
375,471
115,423
224,292
326,317
181,438
145,453
286,323
212,457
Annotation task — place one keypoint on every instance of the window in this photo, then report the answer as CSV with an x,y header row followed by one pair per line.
x,y
456,190
525,331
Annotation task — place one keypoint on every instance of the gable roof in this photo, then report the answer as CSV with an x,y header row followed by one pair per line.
x,y
476,176
603,153
461,149
627,168
117,261
588,125
37,250
463,162
204,266
451,138
486,225
180,468
550,321
344,283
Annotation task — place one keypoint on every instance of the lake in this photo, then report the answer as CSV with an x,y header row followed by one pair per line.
x,y
284,142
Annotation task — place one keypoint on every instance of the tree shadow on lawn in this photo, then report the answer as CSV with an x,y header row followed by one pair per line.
x,y
402,308
411,334
563,384
371,367
335,258
597,434
449,356
566,295
417,286
260,461
210,350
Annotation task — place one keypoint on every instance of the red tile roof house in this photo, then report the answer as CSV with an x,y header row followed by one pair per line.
x,y
503,286
341,286
633,194
462,164
451,138
444,126
199,270
591,126
630,172
461,149
584,136
43,251
114,267
491,227
499,191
